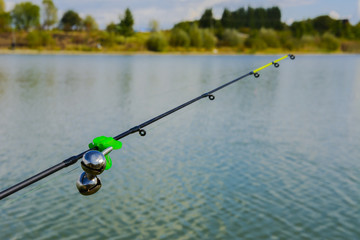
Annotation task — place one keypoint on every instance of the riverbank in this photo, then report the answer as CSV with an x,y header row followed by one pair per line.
x,y
268,42
195,53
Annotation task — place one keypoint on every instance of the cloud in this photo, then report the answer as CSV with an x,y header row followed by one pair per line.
x,y
291,3
290,21
334,15
9,6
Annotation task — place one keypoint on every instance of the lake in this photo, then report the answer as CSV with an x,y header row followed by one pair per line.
x,y
275,157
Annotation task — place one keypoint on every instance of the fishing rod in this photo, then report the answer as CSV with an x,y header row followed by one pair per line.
x,y
96,159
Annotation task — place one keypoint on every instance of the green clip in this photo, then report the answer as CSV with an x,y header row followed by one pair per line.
x,y
102,143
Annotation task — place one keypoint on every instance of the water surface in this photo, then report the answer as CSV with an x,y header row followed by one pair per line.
x,y
276,157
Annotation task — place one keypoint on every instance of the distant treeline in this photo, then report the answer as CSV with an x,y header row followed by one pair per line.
x,y
245,30
324,24
254,18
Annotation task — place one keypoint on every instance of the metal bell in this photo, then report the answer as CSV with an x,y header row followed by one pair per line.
x,y
88,184
94,162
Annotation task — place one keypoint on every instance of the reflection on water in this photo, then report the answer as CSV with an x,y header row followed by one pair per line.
x,y
271,158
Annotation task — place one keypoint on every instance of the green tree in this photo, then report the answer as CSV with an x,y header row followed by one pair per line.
x,y
5,21
5,18
112,28
90,24
329,42
184,26
226,19
270,37
157,42
302,28
50,13
36,39
195,36
323,24
250,17
273,18
127,23
154,26
260,17
179,38
239,18
232,38
26,15
209,40
70,21
2,6
207,20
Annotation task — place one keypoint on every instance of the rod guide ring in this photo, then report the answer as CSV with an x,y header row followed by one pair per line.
x,y
142,132
211,97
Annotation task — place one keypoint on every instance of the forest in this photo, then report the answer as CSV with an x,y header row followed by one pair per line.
x,y
245,30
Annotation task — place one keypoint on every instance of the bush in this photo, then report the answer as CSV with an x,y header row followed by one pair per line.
x,y
37,39
329,42
5,21
351,46
270,37
195,37
209,40
286,39
232,38
157,42
255,43
179,38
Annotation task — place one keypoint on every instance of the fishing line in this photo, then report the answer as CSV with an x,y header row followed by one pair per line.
x,y
41,186
96,159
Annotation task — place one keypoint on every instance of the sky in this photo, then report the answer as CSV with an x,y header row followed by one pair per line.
x,y
169,12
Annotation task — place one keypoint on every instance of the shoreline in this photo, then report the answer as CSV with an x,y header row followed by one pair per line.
x,y
176,53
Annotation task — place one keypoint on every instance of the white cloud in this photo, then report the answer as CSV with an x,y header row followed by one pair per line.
x,y
291,3
9,6
334,15
290,21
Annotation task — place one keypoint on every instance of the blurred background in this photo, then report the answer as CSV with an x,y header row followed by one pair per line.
x,y
204,26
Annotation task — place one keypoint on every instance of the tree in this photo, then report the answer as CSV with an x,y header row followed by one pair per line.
x,y
2,6
207,20
90,24
157,42
127,23
273,18
250,17
26,15
5,21
226,19
195,36
323,24
239,18
112,27
209,40
260,17
179,38
70,21
232,38
50,13
154,26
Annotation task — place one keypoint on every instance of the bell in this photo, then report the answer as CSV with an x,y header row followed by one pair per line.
x,y
88,184
93,162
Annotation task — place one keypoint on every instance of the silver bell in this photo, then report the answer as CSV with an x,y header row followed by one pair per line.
x,y
88,184
94,162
